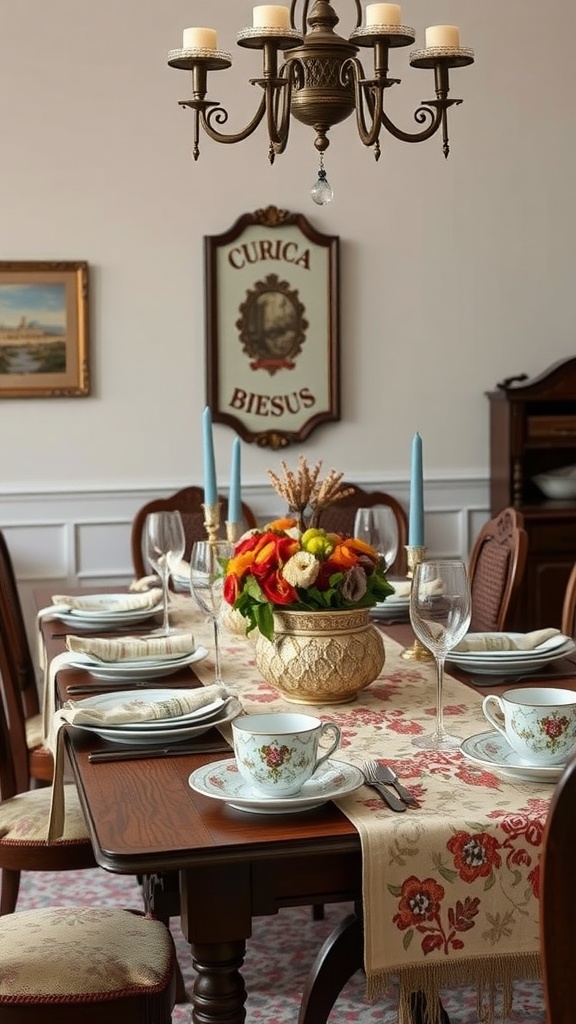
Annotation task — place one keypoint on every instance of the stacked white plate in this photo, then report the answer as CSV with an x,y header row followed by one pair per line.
x,y
158,731
106,616
512,662
396,606
142,669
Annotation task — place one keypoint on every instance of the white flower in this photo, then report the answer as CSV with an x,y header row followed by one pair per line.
x,y
301,570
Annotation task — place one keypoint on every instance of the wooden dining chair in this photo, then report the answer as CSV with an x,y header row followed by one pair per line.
x,y
24,812
568,625
496,569
188,502
339,518
558,900
33,761
61,965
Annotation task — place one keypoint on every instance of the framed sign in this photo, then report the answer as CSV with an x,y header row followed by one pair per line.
x,y
43,329
272,331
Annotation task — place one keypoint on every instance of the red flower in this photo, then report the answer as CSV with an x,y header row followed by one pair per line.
x,y
419,902
276,589
474,855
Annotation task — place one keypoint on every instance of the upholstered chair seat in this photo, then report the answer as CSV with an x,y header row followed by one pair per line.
x,y
85,964
24,818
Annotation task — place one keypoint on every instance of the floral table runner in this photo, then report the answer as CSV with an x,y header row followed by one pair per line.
x,y
450,890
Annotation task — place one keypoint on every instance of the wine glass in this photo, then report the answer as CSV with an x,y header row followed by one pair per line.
x,y
164,544
207,572
440,607
378,527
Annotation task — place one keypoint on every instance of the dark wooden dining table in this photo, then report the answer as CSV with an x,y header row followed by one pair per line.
x,y
217,867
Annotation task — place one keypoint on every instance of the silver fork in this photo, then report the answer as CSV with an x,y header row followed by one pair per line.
x,y
369,771
386,774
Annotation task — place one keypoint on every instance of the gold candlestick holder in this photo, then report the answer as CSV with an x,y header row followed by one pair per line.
x,y
233,531
417,651
212,521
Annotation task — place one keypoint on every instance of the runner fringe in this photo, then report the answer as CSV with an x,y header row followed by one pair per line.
x,y
491,975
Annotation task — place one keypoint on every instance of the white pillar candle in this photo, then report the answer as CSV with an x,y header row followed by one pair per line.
x,y
199,39
383,14
443,35
271,16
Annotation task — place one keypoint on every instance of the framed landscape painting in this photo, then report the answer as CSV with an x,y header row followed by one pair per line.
x,y
44,329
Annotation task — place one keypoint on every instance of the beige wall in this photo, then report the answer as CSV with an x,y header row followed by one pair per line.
x,y
453,274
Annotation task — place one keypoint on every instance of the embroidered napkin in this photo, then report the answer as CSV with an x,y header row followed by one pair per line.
x,y
135,709
132,648
505,642
402,588
126,603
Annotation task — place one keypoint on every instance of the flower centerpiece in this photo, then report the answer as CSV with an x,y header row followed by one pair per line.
x,y
281,567
292,580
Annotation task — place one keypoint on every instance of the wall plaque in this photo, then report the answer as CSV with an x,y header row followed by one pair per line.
x,y
272,327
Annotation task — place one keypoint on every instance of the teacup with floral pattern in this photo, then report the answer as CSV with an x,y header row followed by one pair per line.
x,y
277,753
538,722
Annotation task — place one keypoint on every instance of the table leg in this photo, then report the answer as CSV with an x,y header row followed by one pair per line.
x,y
339,958
219,992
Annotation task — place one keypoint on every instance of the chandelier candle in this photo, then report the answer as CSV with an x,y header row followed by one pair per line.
x,y
443,35
199,39
271,16
383,14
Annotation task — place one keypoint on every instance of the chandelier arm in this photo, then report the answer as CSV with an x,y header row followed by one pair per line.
x,y
279,114
431,111
210,114
368,96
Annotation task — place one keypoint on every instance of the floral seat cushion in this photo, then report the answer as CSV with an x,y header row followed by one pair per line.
x,y
24,818
84,953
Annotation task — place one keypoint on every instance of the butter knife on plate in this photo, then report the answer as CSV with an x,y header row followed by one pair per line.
x,y
146,753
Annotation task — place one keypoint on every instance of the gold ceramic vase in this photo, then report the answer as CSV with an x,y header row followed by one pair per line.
x,y
321,657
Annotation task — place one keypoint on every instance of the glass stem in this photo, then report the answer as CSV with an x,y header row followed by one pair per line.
x,y
217,670
439,687
165,577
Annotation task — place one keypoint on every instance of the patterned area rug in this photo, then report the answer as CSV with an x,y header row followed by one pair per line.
x,y
277,959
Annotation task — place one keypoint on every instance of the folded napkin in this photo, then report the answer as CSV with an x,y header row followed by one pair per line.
x,y
144,583
505,642
126,603
402,588
134,709
132,648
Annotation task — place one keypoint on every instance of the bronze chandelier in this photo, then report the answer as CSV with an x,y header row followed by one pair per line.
x,y
321,81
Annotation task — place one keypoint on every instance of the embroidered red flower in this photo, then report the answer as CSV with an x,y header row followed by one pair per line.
x,y
475,854
419,902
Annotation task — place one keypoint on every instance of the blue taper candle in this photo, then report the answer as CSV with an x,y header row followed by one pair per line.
x,y
210,490
235,501
416,520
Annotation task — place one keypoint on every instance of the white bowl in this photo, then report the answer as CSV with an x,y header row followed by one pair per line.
x,y
559,483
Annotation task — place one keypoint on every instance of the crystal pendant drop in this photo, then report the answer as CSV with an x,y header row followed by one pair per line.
x,y
322,192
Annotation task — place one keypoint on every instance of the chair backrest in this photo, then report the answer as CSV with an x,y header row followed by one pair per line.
x,y
339,518
496,569
14,769
568,625
188,502
558,899
18,646
18,689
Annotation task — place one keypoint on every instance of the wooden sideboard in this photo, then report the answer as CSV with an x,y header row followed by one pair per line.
x,y
533,430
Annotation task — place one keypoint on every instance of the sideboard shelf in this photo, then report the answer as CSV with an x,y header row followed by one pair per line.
x,y
532,431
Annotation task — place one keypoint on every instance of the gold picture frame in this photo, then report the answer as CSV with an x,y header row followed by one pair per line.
x,y
272,327
44,329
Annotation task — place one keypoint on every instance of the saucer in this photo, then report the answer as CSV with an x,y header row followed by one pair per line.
x,y
491,750
221,780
